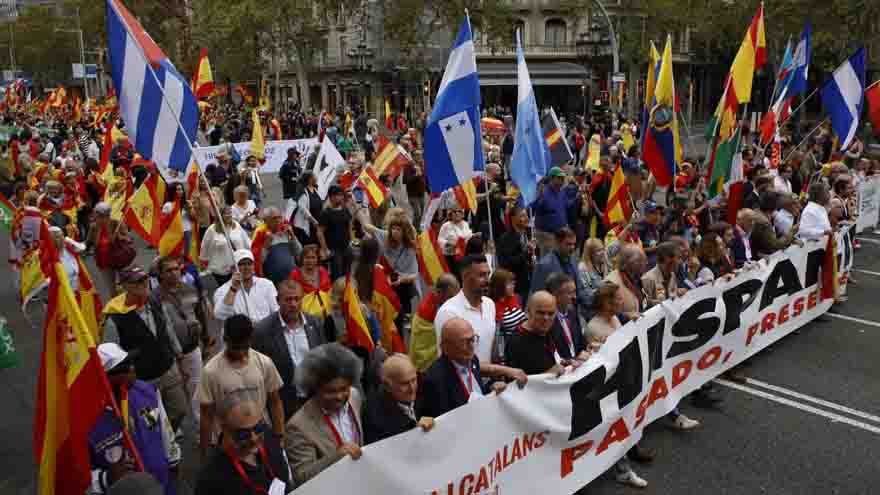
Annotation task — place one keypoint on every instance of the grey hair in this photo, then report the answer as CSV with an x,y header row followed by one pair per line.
x,y
270,211
242,188
326,363
629,254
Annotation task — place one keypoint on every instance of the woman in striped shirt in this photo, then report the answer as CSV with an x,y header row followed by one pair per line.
x,y
509,313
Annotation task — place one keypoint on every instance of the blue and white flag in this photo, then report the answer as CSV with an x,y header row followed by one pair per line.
x,y
795,81
843,96
530,151
453,146
147,84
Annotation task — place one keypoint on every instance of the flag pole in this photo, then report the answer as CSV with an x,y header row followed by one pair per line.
x,y
804,140
791,114
195,158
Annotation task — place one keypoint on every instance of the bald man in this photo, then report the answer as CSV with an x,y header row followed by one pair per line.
x,y
454,379
391,407
533,348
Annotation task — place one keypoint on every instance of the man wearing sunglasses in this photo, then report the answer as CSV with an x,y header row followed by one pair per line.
x,y
250,459
143,415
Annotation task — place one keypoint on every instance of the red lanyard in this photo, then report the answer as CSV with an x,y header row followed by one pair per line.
x,y
566,332
244,477
336,434
467,389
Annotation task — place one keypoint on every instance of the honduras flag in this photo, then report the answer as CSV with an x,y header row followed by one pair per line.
x,y
843,96
453,146
144,77
530,151
796,80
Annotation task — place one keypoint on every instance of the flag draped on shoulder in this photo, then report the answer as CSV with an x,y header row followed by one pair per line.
x,y
560,152
453,145
528,164
843,97
662,152
156,101
203,78
72,389
143,214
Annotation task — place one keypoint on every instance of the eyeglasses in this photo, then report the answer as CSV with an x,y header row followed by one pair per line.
x,y
475,339
243,435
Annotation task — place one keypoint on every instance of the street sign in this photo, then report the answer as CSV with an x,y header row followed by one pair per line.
x,y
90,72
619,77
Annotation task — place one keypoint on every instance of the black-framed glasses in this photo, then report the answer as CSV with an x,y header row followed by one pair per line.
x,y
243,435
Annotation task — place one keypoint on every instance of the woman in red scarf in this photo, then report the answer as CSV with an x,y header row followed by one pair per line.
x,y
315,281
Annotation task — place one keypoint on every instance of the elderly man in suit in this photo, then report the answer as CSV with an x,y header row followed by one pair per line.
x,y
328,426
390,408
286,336
454,379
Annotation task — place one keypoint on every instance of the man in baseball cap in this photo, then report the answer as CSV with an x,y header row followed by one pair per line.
x,y
245,293
145,419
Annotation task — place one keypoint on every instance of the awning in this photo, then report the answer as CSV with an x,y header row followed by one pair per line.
x,y
542,74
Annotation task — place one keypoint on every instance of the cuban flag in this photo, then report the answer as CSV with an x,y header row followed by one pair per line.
x,y
843,96
453,146
530,151
160,112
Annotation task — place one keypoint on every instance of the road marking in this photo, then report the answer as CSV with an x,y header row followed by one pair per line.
x,y
869,272
797,405
866,239
815,400
851,318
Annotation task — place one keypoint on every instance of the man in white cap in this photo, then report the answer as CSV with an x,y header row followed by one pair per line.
x,y
143,415
245,293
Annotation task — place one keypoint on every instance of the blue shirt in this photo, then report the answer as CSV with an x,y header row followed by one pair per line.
x,y
551,209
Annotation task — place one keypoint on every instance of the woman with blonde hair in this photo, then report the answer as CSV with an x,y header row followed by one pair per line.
x,y
592,269
397,248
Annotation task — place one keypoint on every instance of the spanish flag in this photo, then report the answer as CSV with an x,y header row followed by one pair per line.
x,y
619,209
258,144
77,109
316,300
262,234
203,79
376,191
390,158
171,237
72,390
386,305
752,55
466,195
432,263
276,129
143,214
357,330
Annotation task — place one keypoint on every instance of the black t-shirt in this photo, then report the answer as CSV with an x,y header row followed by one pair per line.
x,y
219,474
531,352
337,228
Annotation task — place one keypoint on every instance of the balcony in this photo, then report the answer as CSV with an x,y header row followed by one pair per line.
x,y
483,49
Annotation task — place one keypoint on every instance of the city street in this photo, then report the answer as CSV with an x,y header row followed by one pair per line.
x,y
808,421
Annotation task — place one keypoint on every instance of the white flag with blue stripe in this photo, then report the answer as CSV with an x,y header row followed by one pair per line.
x,y
843,96
530,151
453,146
144,78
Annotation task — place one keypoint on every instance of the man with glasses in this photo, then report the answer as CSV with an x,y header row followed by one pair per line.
x,y
239,368
245,293
143,416
454,379
251,460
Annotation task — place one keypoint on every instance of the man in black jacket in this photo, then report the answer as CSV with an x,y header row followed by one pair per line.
x,y
566,330
289,173
516,251
286,336
137,323
454,379
390,408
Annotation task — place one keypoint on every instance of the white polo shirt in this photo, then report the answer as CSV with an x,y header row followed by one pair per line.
x,y
482,319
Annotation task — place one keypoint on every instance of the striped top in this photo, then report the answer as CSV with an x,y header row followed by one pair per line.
x,y
509,314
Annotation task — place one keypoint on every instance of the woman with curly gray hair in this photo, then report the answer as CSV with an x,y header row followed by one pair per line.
x,y
328,426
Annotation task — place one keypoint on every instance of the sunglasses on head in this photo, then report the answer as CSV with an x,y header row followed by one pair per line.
x,y
243,435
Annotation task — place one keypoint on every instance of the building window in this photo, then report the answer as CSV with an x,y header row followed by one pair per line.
x,y
555,32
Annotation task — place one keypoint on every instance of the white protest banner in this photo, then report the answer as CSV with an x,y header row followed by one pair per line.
x,y
558,434
869,203
276,152
334,162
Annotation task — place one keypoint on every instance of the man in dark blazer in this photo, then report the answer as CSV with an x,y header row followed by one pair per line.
x,y
286,336
740,246
516,251
454,378
567,333
390,409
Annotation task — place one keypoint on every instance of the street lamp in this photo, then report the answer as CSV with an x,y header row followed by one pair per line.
x,y
82,51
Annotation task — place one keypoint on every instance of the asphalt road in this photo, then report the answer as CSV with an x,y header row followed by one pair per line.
x,y
808,423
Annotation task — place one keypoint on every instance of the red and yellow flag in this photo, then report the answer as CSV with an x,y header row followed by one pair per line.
x,y
466,195
143,214
386,304
258,143
316,300
432,263
203,79
619,209
357,330
752,55
69,368
77,109
376,191
276,129
390,158
171,236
